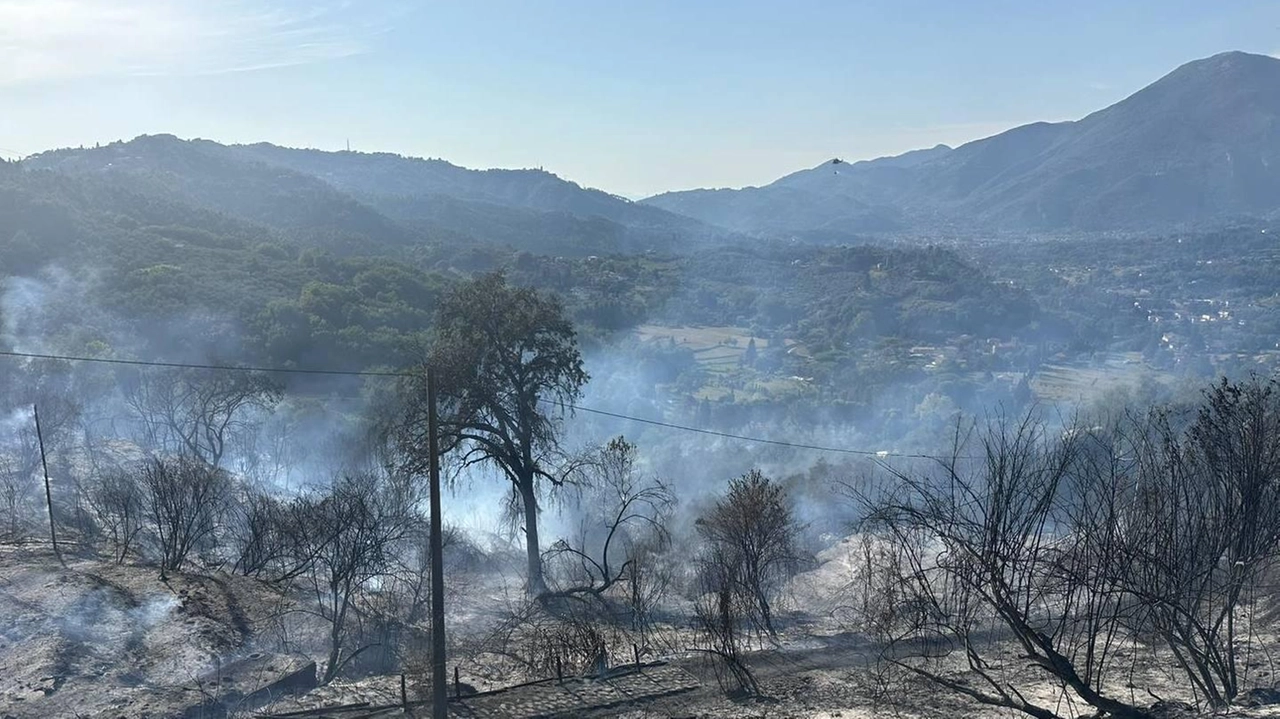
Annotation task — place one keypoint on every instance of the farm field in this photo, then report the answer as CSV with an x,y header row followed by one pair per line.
x,y
1073,381
716,348
719,351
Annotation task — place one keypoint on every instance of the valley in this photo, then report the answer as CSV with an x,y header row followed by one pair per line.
x,y
984,430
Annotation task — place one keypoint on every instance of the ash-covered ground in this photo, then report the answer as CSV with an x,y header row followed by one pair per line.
x,y
99,639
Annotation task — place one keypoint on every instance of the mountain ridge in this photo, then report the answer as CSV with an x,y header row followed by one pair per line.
x,y
381,197
1199,145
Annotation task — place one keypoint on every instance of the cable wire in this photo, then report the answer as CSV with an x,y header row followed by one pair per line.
x,y
372,373
745,438
184,365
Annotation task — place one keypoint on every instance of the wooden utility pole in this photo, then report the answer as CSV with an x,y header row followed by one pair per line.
x,y
439,687
48,492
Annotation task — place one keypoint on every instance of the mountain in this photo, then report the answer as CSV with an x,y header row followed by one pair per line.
x,y
350,200
388,175
1200,146
196,175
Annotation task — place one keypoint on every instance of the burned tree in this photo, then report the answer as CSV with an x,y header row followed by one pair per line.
x,y
1155,531
52,386
19,461
725,617
571,640
118,504
272,536
624,516
601,578
507,360
186,498
751,538
984,552
352,529
408,583
197,412
1204,530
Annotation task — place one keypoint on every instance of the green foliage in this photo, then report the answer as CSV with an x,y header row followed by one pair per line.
x,y
507,359
150,261
279,268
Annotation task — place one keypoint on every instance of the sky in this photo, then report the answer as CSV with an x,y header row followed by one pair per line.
x,y
634,98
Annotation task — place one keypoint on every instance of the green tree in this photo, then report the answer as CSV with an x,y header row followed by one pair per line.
x,y
507,360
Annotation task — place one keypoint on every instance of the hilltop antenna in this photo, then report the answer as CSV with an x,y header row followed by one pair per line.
x,y
348,144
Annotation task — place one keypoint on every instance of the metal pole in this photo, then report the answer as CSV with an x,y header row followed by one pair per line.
x,y
439,686
48,492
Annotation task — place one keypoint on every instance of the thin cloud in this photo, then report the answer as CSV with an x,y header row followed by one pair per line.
x,y
43,40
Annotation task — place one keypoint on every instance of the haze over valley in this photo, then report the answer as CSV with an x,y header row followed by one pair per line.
x,y
984,430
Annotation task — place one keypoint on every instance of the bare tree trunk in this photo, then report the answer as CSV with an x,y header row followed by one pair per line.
x,y
335,636
335,650
766,612
529,498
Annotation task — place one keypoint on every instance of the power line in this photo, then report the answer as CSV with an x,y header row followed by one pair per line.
x,y
184,365
745,438
576,408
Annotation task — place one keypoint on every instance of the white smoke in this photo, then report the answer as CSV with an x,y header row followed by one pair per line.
x,y
153,611
22,304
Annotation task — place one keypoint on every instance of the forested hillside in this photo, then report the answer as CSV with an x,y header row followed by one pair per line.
x,y
349,201
173,237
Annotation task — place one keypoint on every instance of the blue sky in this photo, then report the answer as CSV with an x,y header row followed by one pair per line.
x,y
634,98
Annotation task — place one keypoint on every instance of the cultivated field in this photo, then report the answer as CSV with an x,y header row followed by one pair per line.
x,y
717,348
1070,382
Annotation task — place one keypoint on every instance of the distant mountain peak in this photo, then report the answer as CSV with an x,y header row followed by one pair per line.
x,y
1227,71
1199,146
1234,58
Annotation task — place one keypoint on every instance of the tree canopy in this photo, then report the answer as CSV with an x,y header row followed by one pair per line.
x,y
508,364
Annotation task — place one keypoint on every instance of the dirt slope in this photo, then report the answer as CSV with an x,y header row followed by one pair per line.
x,y
98,639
